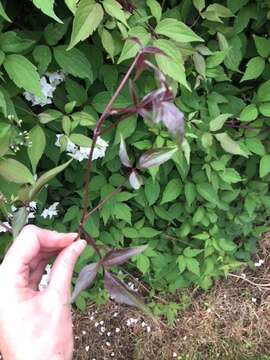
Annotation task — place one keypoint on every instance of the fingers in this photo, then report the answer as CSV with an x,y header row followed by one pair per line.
x,y
31,241
36,275
62,270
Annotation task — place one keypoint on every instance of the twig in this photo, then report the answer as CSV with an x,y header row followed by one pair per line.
x,y
249,281
101,120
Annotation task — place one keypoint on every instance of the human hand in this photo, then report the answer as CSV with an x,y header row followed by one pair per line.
x,y
37,325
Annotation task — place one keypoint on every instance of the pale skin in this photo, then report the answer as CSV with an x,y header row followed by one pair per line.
x,y
37,325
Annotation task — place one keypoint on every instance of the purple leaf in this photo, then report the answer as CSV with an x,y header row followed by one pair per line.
x,y
135,180
173,119
118,257
153,50
121,294
132,92
125,160
85,279
155,157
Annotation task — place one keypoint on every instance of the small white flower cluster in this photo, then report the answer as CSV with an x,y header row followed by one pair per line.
x,y
132,286
50,212
48,83
254,300
44,282
82,153
259,263
31,215
132,321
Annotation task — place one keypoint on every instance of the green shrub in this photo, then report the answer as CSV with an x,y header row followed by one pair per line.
x,y
201,212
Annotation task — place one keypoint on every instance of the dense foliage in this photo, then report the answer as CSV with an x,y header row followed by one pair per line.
x,y
201,212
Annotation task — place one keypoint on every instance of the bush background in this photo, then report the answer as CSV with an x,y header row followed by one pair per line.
x,y
202,212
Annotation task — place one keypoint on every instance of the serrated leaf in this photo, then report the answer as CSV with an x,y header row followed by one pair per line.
x,y
190,253
88,16
181,261
23,73
262,45
265,109
81,140
108,42
14,171
43,56
265,165
11,42
114,9
72,5
172,190
190,192
35,151
85,280
120,256
122,212
217,123
264,92
47,8
227,245
45,178
152,191
254,69
156,157
256,146
229,145
207,192
176,30
193,266
73,62
49,115
199,4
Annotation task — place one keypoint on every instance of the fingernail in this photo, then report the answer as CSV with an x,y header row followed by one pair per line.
x,y
80,245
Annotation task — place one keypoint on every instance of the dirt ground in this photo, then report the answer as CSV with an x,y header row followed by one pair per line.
x,y
230,322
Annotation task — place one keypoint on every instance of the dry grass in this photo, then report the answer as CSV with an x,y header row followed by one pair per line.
x,y
224,323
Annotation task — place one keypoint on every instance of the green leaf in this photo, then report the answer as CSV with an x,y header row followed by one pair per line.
x,y
88,16
114,9
217,123
264,92
171,65
49,115
215,12
193,266
172,190
176,30
14,171
249,113
54,32
35,151
81,140
227,245
207,192
72,213
190,253
265,109
199,4
190,192
43,56
18,221
143,263
72,5
200,65
230,176
47,8
155,9
3,13
147,232
265,165
262,45
254,68
131,48
181,261
255,145
152,191
11,42
46,178
83,118
23,73
122,212
73,62
108,42
5,134
229,145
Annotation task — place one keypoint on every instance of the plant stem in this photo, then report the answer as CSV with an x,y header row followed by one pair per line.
x,y
101,120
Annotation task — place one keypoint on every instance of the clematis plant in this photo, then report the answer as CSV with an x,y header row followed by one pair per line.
x,y
155,108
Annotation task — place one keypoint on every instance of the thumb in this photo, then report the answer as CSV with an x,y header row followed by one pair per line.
x,y
62,270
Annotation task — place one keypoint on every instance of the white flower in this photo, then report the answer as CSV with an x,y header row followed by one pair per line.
x,y
48,83
87,348
44,282
33,205
50,212
148,329
174,354
254,300
82,153
4,226
117,330
259,263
